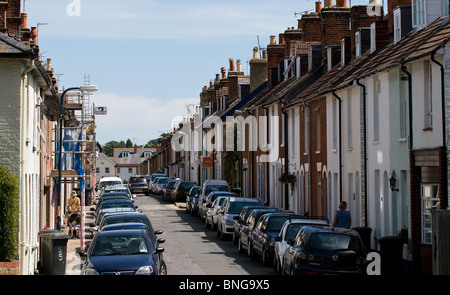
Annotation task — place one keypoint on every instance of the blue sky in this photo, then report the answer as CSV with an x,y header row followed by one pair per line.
x,y
149,58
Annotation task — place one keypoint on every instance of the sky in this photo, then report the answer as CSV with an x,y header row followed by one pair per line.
x,y
151,58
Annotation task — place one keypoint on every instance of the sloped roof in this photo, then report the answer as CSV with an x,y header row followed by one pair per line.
x,y
413,46
10,47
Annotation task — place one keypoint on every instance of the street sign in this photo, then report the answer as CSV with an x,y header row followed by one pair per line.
x,y
207,162
100,110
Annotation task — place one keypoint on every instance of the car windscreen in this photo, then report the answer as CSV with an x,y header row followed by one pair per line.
x,y
109,183
170,184
236,207
215,188
120,245
334,242
162,180
108,205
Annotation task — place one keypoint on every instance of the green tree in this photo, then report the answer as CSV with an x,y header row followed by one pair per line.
x,y
9,214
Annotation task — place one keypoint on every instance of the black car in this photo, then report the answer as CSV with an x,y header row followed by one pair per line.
x,y
325,251
192,199
262,240
131,217
181,190
248,225
138,184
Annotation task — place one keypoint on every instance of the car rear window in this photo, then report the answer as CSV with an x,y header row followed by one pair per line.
x,y
334,242
236,207
138,180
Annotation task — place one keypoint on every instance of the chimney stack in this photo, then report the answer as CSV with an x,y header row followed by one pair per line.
x,y
258,71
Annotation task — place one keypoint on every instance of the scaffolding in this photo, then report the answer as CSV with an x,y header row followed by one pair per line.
x,y
78,148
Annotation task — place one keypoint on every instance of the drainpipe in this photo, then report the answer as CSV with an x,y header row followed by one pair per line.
x,y
267,190
365,148
410,114
340,144
444,140
309,158
286,155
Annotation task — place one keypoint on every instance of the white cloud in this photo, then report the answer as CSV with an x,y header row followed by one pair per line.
x,y
136,117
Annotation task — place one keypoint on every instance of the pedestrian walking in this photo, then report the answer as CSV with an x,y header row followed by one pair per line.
x,y
342,217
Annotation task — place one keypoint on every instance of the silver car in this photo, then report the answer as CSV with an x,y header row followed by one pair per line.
x,y
231,209
212,213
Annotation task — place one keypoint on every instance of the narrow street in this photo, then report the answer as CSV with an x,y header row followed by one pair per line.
x,y
190,247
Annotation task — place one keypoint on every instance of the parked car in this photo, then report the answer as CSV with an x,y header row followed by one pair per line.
x,y
124,252
152,180
207,202
167,189
192,199
240,220
231,209
112,196
138,184
130,217
325,251
135,225
211,185
262,241
212,212
248,225
159,184
288,233
112,203
107,181
181,190
104,212
117,188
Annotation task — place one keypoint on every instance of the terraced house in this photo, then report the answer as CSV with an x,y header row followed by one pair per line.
x,y
355,102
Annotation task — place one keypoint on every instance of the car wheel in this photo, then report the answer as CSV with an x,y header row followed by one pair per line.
x,y
266,261
240,249
163,269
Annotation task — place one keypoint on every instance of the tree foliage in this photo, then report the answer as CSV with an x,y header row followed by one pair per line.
x,y
9,214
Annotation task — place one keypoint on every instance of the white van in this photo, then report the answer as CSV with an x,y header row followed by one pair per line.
x,y
107,181
209,186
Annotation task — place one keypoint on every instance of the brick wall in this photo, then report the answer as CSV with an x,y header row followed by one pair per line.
x,y
334,26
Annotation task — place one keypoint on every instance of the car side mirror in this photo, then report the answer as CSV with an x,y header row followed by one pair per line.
x,y
158,232
161,240
159,250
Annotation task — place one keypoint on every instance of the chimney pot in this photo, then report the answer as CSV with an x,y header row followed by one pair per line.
x,y
318,6
34,35
232,67
273,40
255,52
341,3
239,65
24,20
328,3
223,70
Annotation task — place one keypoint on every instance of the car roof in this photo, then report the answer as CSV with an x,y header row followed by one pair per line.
x,y
127,214
116,200
110,178
242,199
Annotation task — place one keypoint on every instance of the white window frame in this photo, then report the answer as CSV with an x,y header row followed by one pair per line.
x,y
430,198
419,13
358,45
397,25
444,8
